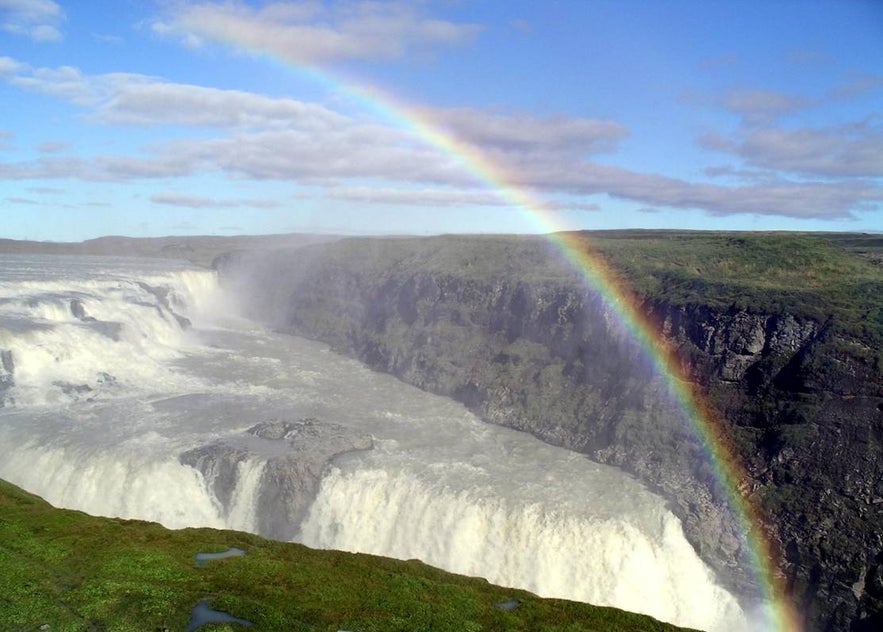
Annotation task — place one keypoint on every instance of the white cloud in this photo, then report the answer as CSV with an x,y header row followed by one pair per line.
x,y
9,66
845,151
65,82
52,146
762,106
807,57
716,142
436,197
851,151
577,206
37,19
417,197
718,62
313,31
44,168
799,199
353,151
21,200
108,39
526,132
143,100
263,138
131,167
193,201
45,190
748,175
857,85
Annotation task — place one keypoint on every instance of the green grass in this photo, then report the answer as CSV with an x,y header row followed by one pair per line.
x,y
72,571
828,277
833,279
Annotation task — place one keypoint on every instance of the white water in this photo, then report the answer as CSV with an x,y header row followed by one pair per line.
x,y
101,409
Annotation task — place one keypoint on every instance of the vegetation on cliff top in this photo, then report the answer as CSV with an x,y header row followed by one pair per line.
x,y
805,274
70,571
834,279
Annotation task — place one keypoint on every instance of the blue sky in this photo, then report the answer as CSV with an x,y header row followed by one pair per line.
x,y
152,118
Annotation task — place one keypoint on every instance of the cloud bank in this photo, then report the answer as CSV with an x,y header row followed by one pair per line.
x,y
798,172
39,20
314,32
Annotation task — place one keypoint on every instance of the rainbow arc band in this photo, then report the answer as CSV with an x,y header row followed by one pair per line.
x,y
779,615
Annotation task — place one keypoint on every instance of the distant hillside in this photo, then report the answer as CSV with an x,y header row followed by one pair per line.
x,y
200,250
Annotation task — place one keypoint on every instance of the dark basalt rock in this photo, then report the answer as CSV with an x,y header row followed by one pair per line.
x,y
294,456
79,311
164,300
7,375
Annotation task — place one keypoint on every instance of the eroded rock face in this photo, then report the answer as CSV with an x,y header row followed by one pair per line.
x,y
801,406
732,342
292,456
7,374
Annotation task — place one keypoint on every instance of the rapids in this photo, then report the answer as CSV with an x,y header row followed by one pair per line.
x,y
114,369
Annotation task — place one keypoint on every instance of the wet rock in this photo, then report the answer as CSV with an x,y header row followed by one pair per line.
x,y
293,456
7,373
165,302
79,311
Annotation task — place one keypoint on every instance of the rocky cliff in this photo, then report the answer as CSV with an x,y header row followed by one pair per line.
x,y
508,328
286,458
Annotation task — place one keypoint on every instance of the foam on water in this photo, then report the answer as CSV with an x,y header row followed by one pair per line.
x,y
102,401
128,330
124,482
578,532
243,511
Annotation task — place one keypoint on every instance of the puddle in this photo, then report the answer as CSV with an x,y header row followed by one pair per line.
x,y
202,613
508,605
202,558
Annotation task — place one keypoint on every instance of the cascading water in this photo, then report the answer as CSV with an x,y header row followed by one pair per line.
x,y
621,547
114,404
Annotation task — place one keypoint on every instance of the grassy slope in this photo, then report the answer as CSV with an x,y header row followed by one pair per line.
x,y
835,278
200,250
812,275
77,572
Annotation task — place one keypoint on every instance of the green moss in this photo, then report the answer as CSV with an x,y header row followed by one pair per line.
x,y
827,278
71,571
822,277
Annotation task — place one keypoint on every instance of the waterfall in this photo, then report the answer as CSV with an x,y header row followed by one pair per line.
x,y
127,390
639,561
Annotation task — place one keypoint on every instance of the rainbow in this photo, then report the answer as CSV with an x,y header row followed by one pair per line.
x,y
600,278
779,614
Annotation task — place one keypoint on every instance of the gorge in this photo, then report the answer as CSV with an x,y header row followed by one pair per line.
x,y
779,334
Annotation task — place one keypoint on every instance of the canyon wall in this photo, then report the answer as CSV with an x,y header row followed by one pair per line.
x,y
507,327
